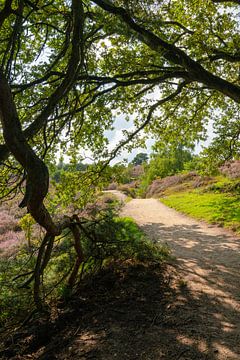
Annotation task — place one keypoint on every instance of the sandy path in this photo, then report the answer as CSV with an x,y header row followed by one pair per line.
x,y
208,260
120,195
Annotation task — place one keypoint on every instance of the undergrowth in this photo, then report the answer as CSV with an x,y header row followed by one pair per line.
x,y
105,239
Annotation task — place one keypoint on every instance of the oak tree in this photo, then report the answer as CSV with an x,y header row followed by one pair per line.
x,y
68,68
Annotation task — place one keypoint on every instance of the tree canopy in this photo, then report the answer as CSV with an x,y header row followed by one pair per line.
x,y
68,68
140,158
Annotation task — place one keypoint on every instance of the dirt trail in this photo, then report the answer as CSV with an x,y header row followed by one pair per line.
x,y
188,309
120,195
208,260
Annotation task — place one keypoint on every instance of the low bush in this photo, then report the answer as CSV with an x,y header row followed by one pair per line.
x,y
158,186
10,233
130,189
231,169
225,185
105,239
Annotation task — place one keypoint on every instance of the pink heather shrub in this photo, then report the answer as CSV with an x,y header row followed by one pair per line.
x,y
10,238
12,208
137,171
11,235
158,186
7,221
9,241
231,169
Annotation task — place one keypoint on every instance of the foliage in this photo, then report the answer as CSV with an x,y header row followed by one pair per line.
x,y
121,239
58,170
14,302
140,159
124,174
226,143
26,223
76,188
119,173
225,185
167,161
69,68
105,239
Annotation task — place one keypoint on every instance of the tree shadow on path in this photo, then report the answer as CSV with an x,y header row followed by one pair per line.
x,y
183,311
209,265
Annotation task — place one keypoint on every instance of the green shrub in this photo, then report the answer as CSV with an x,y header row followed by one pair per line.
x,y
105,239
225,185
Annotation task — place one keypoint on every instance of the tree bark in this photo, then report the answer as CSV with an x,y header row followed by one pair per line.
x,y
37,173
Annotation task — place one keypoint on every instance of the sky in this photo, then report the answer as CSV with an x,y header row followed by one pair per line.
x,y
120,124
116,135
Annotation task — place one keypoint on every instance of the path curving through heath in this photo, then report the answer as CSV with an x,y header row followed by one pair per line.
x,y
208,261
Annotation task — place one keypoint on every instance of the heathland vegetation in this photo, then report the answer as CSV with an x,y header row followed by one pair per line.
x,y
71,72
106,237
189,183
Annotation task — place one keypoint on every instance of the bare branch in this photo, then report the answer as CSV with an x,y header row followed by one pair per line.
x,y
147,121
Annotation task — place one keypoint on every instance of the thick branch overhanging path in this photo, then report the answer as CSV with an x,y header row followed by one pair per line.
x,y
54,102
208,260
189,70
195,71
37,179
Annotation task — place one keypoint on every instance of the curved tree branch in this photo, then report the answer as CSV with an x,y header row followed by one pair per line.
x,y
172,53
223,55
37,182
37,172
6,11
74,65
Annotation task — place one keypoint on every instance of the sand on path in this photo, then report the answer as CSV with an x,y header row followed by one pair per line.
x,y
208,259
